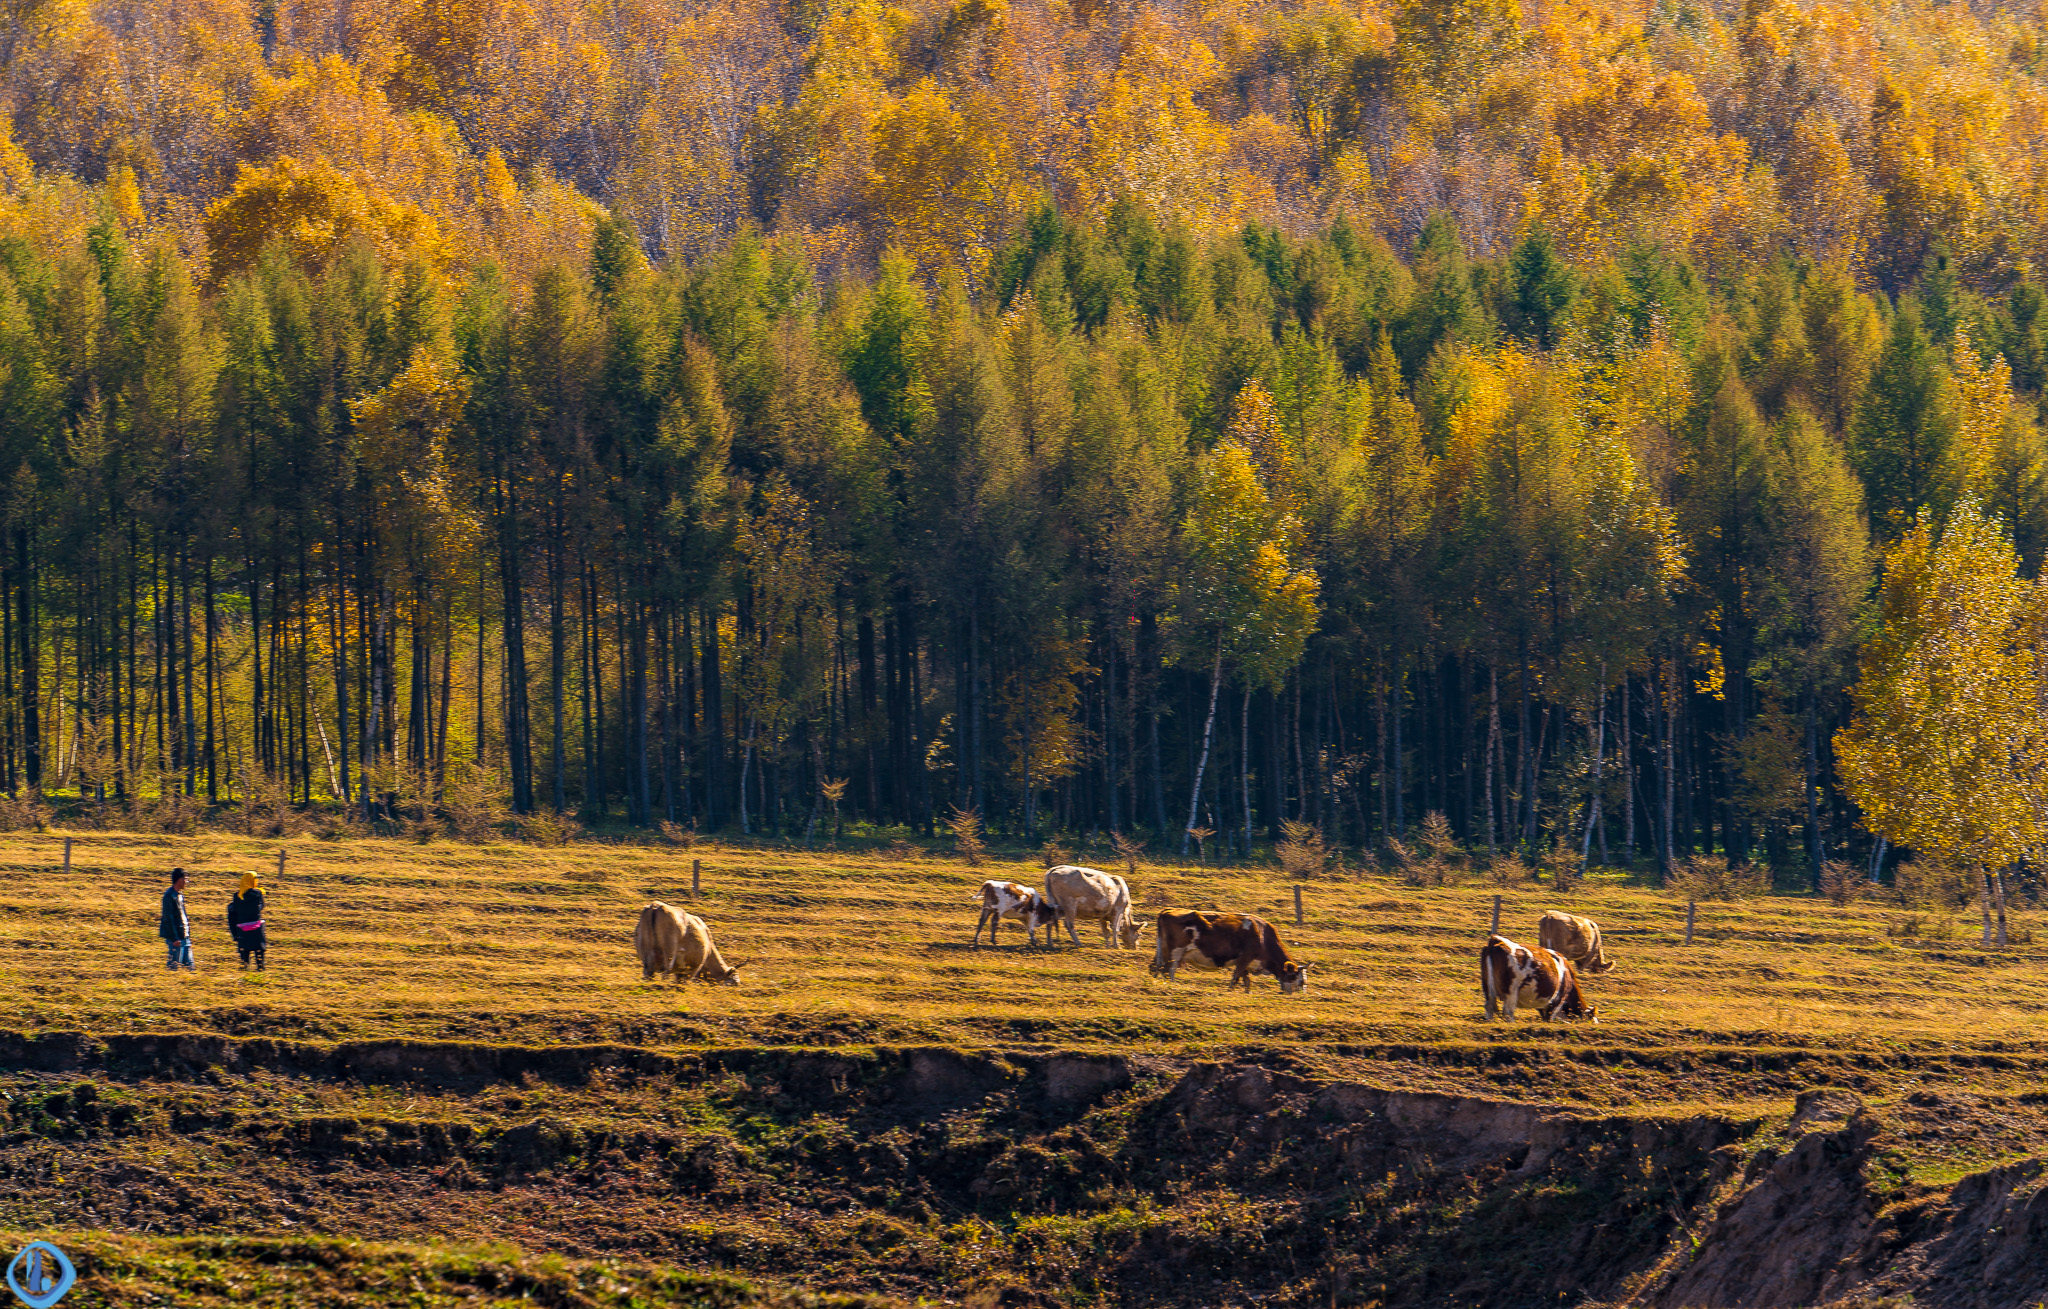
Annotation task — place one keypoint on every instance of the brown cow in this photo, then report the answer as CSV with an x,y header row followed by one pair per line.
x,y
1509,973
1206,940
1000,900
670,941
1576,938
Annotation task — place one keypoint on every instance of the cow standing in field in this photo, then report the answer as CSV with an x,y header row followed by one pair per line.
x,y
1511,973
671,941
1203,940
1576,938
1000,900
1077,893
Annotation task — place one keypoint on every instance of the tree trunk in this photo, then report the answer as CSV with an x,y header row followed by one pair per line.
x,y
1624,748
1244,765
1816,845
1599,758
1998,902
1492,748
1984,900
212,780
1399,697
1208,734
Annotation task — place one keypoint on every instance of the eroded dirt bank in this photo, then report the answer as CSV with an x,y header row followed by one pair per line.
x,y
1033,1178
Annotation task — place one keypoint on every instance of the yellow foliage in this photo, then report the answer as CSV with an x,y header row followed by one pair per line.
x,y
1150,141
314,210
1984,399
1948,749
402,433
943,179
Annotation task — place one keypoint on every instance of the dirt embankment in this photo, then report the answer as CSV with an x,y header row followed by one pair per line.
x,y
1029,1179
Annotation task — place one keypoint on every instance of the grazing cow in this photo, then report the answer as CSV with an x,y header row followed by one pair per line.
x,y
1576,938
1078,893
1000,900
1509,973
1205,940
671,941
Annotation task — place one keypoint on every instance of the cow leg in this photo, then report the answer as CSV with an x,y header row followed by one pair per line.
x,y
980,923
1486,989
1242,976
1507,1002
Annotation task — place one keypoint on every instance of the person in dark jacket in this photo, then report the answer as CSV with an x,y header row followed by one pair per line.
x,y
173,925
245,921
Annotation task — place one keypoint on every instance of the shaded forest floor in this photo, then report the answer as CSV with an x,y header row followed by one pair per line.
x,y
453,1076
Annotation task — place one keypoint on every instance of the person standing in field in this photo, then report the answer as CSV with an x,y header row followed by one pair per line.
x,y
174,927
245,921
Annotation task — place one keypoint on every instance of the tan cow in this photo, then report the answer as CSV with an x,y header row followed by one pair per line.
x,y
1576,938
1510,973
1105,898
671,941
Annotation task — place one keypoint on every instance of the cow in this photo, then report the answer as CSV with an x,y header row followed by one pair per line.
x,y
1207,940
1000,900
671,941
1078,893
1576,938
1509,973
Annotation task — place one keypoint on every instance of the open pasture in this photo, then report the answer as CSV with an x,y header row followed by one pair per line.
x,y
381,940
454,1078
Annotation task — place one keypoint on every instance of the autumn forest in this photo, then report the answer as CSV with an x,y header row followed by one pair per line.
x,y
1432,419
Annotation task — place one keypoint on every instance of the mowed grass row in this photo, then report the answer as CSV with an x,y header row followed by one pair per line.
x,y
376,939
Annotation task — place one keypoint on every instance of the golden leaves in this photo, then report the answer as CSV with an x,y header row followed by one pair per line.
x,y
313,210
1947,753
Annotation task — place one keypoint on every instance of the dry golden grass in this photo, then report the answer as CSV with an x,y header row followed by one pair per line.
x,y
378,939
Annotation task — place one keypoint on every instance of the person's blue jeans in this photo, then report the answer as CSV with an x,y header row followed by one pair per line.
x,y
181,953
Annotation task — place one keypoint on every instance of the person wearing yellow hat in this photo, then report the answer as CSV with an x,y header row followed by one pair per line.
x,y
245,921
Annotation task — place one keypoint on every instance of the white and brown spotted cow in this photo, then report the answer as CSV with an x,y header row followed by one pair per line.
x,y
1510,973
1000,900
1090,893
1576,938
1195,939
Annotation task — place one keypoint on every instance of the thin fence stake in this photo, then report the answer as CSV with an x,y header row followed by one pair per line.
x,y
67,854
280,865
696,877
1691,908
1297,904
1496,915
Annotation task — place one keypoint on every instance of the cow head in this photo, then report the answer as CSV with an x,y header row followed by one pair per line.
x,y
1129,933
1294,977
732,974
1575,1005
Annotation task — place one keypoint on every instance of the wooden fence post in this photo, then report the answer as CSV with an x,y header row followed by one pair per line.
x,y
280,865
696,877
1297,904
67,854
1691,907
1496,915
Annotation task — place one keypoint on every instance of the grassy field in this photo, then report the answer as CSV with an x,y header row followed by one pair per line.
x,y
522,944
452,1086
